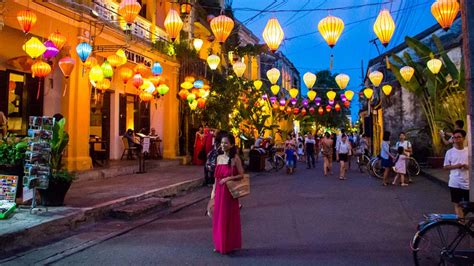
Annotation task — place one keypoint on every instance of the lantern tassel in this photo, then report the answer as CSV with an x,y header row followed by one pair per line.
x,y
65,89
38,91
331,62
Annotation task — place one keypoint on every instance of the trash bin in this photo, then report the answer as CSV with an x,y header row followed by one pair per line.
x,y
257,160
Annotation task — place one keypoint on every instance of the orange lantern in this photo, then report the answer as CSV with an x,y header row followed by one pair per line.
x,y
303,112
201,103
288,110
183,94
125,74
320,110
445,12
40,70
384,27
221,27
337,107
103,84
273,34
347,104
141,69
331,28
173,24
190,79
145,96
27,19
328,108
156,80
66,64
129,10
137,80
90,62
58,39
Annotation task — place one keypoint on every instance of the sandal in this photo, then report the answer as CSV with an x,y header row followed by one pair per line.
x,y
404,185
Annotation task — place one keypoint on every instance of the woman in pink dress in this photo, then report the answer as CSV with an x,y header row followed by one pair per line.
x,y
198,146
208,139
226,228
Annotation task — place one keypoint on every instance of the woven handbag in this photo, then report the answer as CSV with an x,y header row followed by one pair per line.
x,y
239,188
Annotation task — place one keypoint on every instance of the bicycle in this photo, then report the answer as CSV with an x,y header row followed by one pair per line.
x,y
413,168
274,162
445,239
363,162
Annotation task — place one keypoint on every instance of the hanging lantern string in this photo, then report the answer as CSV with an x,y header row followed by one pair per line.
x,y
65,88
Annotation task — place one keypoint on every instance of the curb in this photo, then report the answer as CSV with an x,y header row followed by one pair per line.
x,y
38,234
435,179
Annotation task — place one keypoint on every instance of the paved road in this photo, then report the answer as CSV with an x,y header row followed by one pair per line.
x,y
302,219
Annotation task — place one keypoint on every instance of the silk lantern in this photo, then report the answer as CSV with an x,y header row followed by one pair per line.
x,y
273,99
198,84
347,104
107,69
34,47
66,64
331,28
342,80
282,102
221,27
83,51
129,10
273,75
156,80
190,79
147,86
145,96
317,101
183,94
305,102
296,110
331,95
337,107
193,104
407,73
387,89
303,112
328,108
156,69
173,24
349,94
137,80
191,97
163,89
201,103
384,27
294,92
187,85
142,69
275,89
265,96
26,19
288,110
311,95
376,78
103,84
51,50
293,101
331,102
368,93
90,62
434,65
309,79
122,55
96,74
257,84
311,110
114,60
213,61
445,11
40,70
58,39
126,74
320,110
273,34
239,68
197,43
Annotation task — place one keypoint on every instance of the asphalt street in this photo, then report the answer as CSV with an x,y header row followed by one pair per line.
x,y
300,219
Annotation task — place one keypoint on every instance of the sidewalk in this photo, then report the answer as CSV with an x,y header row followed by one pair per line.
x,y
88,201
436,174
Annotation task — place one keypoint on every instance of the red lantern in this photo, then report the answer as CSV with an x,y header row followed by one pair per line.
x,y
347,104
296,110
328,108
27,20
142,70
201,103
320,110
311,110
137,80
156,80
183,94
126,74
337,107
40,69
58,39
303,112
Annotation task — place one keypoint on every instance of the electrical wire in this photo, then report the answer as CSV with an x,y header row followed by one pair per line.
x,y
249,9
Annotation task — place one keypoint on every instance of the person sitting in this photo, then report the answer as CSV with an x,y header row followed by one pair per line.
x,y
133,141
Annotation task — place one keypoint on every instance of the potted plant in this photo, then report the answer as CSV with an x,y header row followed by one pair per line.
x,y
60,179
12,154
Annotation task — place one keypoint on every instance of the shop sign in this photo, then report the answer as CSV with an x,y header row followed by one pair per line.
x,y
138,58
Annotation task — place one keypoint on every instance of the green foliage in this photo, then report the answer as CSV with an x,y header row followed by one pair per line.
x,y
58,145
12,150
442,96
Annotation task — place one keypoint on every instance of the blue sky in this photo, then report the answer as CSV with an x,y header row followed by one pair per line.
x,y
311,53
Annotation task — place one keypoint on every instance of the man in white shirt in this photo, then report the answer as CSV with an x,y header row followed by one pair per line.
x,y
457,162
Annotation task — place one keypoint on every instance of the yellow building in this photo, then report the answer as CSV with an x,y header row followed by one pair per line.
x,y
88,112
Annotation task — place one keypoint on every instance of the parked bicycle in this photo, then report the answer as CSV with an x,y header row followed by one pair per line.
x,y
274,161
445,239
363,162
376,169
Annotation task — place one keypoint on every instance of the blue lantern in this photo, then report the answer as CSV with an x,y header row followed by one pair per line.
x,y
83,50
198,84
156,69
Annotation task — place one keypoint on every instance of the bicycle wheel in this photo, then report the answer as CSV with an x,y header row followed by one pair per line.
x,y
279,162
413,168
442,243
269,164
377,168
363,162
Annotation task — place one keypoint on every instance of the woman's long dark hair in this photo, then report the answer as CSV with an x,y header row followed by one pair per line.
x,y
233,150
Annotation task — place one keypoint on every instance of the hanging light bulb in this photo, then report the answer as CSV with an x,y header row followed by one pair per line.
x,y
83,51
107,69
129,10
368,92
197,43
257,84
434,65
34,47
384,27
58,39
331,28
331,95
173,24
273,75
27,19
387,89
275,89
342,80
407,72
213,61
239,68
309,79
311,95
294,92
445,11
349,94
273,34
221,27
376,78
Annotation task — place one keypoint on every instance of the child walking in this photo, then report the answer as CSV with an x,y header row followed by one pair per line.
x,y
400,167
291,157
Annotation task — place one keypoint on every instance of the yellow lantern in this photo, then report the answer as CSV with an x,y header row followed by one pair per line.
x,y
273,34
114,60
349,94
445,11
239,68
103,84
273,75
368,92
123,56
342,80
173,24
331,95
331,28
376,78
407,72
311,95
257,84
145,96
275,89
213,61
34,47
187,85
221,27
193,104
309,79
387,89
384,27
197,43
294,92
434,65
129,10
96,74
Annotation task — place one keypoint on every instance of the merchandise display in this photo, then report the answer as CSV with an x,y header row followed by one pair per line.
x,y
8,190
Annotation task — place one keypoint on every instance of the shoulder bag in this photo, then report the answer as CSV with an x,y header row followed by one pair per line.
x,y
240,187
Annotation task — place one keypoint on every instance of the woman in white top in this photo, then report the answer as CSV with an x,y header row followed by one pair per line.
x,y
343,150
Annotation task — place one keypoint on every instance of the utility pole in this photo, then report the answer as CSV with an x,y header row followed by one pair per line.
x,y
467,16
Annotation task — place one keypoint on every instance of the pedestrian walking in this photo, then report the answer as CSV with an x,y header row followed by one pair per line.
x,y
400,167
310,145
327,152
343,151
226,227
291,157
386,157
301,153
457,162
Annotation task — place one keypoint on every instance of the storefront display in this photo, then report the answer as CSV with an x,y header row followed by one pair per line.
x,y
8,185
